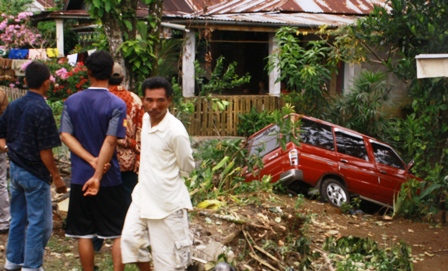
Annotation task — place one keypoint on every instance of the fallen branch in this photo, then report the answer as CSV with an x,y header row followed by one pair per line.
x,y
325,256
233,219
269,255
229,238
261,261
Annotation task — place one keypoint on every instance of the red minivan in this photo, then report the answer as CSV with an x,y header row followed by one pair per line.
x,y
339,162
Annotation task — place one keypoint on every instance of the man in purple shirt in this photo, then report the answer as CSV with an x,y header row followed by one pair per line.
x,y
91,122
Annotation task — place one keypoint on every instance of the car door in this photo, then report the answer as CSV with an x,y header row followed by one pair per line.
x,y
355,164
316,152
391,171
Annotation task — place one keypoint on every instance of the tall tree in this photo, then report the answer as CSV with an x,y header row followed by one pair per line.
x,y
131,42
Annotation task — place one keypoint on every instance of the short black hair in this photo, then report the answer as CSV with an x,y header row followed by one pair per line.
x,y
100,63
157,82
36,73
115,81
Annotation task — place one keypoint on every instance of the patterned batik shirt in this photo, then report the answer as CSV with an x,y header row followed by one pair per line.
x,y
128,149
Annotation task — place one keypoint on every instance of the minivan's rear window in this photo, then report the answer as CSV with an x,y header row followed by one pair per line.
x,y
316,134
265,142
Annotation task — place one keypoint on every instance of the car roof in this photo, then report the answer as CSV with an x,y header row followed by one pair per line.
x,y
296,115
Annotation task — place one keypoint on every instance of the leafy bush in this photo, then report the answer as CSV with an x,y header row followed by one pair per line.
x,y
219,173
423,199
253,121
361,108
355,253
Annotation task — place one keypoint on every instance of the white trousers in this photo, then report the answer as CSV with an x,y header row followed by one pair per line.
x,y
170,239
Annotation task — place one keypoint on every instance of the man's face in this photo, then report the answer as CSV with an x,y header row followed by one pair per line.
x,y
156,103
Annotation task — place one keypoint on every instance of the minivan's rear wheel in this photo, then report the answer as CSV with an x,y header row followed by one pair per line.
x,y
334,192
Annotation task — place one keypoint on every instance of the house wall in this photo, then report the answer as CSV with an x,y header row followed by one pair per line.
x,y
399,96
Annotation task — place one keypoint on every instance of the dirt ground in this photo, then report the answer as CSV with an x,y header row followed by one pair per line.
x,y
262,217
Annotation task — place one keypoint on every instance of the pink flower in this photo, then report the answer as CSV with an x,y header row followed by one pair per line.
x,y
12,85
62,72
52,79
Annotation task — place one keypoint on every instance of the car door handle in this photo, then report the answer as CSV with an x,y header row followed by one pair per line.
x,y
273,157
344,161
383,171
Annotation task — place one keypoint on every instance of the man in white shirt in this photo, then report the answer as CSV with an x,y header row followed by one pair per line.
x,y
158,212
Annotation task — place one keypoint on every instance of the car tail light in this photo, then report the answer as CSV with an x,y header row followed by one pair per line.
x,y
293,157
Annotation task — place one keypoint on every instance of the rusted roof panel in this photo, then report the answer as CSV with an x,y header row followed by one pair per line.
x,y
279,19
217,7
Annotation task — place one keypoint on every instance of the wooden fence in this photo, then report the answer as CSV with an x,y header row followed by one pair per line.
x,y
205,121
13,93
208,122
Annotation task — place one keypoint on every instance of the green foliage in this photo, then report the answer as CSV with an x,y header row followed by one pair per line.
x,y
305,69
168,57
423,199
253,121
357,253
138,53
13,7
221,78
219,173
56,108
182,108
394,38
361,108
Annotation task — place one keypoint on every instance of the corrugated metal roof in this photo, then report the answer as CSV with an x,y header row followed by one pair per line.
x,y
306,13
292,19
218,7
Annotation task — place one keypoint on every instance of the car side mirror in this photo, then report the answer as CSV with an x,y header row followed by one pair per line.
x,y
411,165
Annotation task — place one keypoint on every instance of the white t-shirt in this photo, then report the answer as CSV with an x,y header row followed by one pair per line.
x,y
165,158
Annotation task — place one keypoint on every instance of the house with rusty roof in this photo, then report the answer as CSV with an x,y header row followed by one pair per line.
x,y
241,31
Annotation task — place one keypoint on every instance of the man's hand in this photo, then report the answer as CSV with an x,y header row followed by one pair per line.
x,y
91,187
94,163
60,185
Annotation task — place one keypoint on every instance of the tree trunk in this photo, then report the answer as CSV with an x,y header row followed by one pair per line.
x,y
155,11
115,39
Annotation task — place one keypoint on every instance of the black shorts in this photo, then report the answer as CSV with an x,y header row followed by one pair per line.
x,y
101,215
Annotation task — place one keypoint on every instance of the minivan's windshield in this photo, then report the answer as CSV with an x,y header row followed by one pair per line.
x,y
386,156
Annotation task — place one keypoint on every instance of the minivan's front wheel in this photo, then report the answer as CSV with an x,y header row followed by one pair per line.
x,y
334,192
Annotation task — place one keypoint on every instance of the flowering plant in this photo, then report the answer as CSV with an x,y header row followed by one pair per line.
x,y
68,80
15,31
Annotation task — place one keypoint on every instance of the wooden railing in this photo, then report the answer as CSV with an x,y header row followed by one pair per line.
x,y
207,122
13,93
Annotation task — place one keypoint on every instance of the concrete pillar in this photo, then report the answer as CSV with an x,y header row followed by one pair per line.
x,y
274,87
60,36
350,71
188,58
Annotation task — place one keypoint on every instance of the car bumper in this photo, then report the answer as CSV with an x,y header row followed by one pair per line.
x,y
290,176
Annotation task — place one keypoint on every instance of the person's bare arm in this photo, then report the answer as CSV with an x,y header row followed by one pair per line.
x,y
76,147
92,186
47,157
2,144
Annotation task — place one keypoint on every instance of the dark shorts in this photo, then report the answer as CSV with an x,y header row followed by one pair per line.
x,y
101,215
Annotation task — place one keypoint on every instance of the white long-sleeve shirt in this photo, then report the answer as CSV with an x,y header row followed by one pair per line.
x,y
165,158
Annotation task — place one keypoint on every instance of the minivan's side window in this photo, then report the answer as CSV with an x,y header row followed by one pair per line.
x,y
351,145
265,142
316,134
385,155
